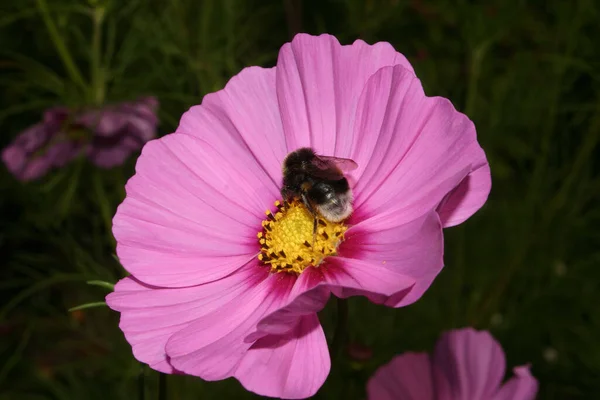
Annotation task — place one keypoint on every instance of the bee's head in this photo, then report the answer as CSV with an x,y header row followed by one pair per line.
x,y
338,208
333,200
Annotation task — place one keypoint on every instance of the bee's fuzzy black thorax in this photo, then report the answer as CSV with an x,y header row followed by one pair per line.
x,y
317,181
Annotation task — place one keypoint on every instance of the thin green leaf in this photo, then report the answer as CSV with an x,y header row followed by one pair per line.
x,y
88,305
103,284
40,286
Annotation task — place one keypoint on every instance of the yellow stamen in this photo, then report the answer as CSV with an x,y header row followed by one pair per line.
x,y
287,243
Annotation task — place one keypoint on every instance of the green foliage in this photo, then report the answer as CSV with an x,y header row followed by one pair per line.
x,y
525,267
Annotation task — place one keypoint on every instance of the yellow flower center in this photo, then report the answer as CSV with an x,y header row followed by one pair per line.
x,y
289,242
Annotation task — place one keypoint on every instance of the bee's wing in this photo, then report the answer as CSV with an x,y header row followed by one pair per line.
x,y
331,168
345,164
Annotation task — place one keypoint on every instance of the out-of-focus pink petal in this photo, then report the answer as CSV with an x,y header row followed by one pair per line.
x,y
293,366
318,85
469,365
36,151
103,122
118,130
137,118
191,213
142,116
33,138
149,102
522,386
60,153
108,157
406,377
35,168
150,315
243,122
212,346
14,159
308,296
397,262
415,150
55,117
19,155
141,128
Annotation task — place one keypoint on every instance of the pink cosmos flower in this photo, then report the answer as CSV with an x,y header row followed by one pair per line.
x,y
219,288
107,136
465,365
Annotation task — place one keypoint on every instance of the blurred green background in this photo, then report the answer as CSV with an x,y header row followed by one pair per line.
x,y
526,267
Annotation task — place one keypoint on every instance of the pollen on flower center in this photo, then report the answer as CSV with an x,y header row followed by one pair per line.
x,y
287,241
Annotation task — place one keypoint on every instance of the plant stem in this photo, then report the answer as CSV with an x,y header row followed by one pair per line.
x,y
293,16
162,386
341,328
59,43
142,383
97,72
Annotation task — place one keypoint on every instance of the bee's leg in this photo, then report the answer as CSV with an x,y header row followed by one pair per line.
x,y
286,194
314,230
309,206
314,213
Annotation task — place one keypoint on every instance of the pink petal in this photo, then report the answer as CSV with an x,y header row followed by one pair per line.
x,y
318,86
201,330
469,365
470,195
406,377
150,316
398,263
414,151
294,366
243,122
308,296
212,346
522,386
191,213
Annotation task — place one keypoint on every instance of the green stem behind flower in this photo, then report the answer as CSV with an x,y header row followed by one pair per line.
x,y
88,305
341,328
60,46
162,386
97,70
142,383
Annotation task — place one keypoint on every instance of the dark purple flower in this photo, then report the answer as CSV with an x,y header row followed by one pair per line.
x,y
107,136
119,130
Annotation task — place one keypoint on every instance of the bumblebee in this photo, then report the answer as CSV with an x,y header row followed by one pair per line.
x,y
319,182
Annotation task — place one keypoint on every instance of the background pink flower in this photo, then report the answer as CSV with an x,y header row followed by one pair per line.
x,y
199,301
465,365
107,135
